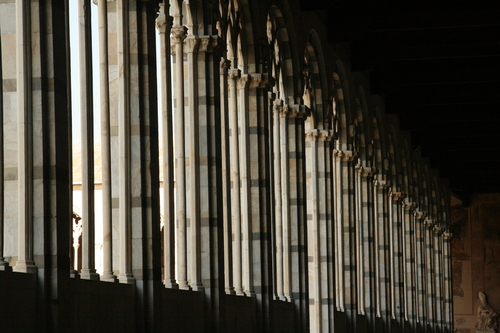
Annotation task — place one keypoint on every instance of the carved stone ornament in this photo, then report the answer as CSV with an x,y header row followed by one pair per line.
x,y
486,316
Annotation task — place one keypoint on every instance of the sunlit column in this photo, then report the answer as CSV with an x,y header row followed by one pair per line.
x,y
234,75
246,211
3,264
191,44
178,35
25,139
107,248
124,164
226,181
87,132
164,24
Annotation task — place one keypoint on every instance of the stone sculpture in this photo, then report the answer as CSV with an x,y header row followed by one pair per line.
x,y
486,316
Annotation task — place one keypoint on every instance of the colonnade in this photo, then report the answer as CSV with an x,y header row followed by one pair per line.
x,y
281,181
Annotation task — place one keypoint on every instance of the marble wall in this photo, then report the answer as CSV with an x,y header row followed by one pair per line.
x,y
476,257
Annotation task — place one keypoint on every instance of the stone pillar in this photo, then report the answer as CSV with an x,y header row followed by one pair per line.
x,y
420,249
365,238
438,274
178,34
313,231
244,163
191,43
447,287
395,232
278,208
107,246
164,24
226,180
234,75
285,201
409,262
429,269
87,132
124,138
25,139
382,262
3,264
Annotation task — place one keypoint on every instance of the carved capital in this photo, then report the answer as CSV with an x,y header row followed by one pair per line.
x,y
409,206
364,171
397,196
178,34
277,105
191,43
438,229
256,80
234,74
163,22
419,214
344,155
325,135
312,135
429,223
224,64
447,235
205,44
243,81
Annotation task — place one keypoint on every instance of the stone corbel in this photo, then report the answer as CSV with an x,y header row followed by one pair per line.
x,y
205,44
257,80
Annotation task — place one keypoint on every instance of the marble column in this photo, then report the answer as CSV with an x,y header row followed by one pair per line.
x,y
164,24
25,139
87,132
178,35
382,262
191,44
429,271
438,274
421,296
278,208
124,134
233,76
409,260
3,264
313,231
395,221
226,180
285,201
107,246
243,85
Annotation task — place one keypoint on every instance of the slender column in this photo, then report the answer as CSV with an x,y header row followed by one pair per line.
x,y
124,175
339,259
25,139
193,169
313,232
87,131
226,182
77,232
3,264
360,286
420,266
285,203
382,246
246,217
107,246
429,225
278,212
438,273
397,255
164,24
448,295
409,260
234,75
178,33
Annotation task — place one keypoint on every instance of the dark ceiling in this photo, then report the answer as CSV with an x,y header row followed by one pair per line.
x,y
439,70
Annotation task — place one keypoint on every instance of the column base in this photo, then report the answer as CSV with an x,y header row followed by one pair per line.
x,y
183,285
89,274
239,292
25,266
198,287
171,284
126,278
108,277
74,274
230,291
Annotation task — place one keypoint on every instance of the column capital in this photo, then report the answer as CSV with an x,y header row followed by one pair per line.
x,y
191,43
364,171
234,74
243,81
438,229
163,22
258,80
312,135
429,223
277,105
205,44
409,205
397,196
344,155
447,234
178,34
420,215
224,64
